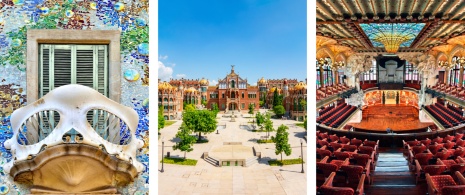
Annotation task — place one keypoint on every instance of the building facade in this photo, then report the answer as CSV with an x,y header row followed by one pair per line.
x,y
232,93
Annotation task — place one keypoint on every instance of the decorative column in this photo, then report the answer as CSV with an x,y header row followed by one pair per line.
x,y
446,76
336,76
322,78
461,76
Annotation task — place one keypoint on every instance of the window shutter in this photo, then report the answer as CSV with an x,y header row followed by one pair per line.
x,y
61,66
85,65
73,64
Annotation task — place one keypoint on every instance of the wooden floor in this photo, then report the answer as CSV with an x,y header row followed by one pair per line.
x,y
396,117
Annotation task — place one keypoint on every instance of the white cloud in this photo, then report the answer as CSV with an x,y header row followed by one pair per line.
x,y
213,82
162,57
164,72
179,76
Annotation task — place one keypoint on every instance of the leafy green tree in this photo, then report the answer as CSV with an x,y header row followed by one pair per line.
x,y
260,119
190,107
261,103
275,97
200,121
204,103
279,110
305,124
184,104
187,140
251,108
282,142
268,124
215,109
302,104
161,119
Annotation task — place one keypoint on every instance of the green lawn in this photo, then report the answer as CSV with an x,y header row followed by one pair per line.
x,y
180,161
168,123
264,141
285,162
300,125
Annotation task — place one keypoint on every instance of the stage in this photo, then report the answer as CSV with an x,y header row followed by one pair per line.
x,y
399,118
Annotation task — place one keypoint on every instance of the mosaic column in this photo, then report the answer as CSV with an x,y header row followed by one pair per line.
x,y
461,76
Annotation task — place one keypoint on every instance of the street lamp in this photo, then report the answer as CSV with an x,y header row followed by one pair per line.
x,y
302,154
162,153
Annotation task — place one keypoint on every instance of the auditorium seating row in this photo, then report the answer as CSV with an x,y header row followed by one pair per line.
x,y
438,160
459,118
345,165
455,109
444,120
412,85
456,91
336,116
327,91
325,110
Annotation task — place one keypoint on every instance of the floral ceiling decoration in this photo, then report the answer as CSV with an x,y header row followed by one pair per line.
x,y
392,35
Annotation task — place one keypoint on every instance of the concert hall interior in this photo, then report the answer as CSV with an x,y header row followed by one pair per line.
x,y
390,97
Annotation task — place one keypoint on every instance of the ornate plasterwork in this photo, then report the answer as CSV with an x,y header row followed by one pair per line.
x,y
72,102
460,40
322,41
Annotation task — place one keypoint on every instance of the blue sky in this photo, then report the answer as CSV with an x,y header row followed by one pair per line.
x,y
262,38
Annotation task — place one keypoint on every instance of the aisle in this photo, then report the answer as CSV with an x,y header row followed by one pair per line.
x,y
392,175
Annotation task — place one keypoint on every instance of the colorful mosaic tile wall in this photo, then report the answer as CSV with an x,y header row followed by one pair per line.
x,y
129,16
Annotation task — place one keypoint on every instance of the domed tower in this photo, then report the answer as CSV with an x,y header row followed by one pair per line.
x,y
286,88
203,88
262,88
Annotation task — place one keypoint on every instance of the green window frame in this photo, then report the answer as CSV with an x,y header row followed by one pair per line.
x,y
61,64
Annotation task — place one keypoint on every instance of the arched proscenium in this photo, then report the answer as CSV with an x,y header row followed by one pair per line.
x,y
72,102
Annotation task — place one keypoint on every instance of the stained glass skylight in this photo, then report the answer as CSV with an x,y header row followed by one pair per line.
x,y
392,35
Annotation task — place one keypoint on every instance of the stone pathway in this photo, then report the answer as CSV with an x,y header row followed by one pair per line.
x,y
259,178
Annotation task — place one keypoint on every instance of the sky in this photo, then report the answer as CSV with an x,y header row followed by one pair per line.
x,y
202,39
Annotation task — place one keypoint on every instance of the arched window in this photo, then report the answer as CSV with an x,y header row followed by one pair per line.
x,y
233,84
242,94
165,99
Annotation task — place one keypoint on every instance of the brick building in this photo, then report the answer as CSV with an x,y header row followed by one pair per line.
x,y
232,93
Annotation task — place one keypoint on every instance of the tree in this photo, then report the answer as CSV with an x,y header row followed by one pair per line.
x,y
215,109
260,118
279,110
187,140
275,97
261,103
184,104
282,142
161,119
305,124
303,104
190,107
268,124
200,121
204,103
251,108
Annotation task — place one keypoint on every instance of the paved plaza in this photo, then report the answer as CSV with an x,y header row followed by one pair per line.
x,y
259,178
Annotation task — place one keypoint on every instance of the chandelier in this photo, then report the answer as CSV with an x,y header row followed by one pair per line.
x,y
323,62
458,61
443,64
339,64
392,43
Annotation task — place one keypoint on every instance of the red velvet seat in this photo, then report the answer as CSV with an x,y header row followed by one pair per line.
x,y
445,184
328,189
426,142
356,142
344,140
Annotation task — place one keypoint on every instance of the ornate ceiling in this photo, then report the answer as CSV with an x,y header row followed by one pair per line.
x,y
349,22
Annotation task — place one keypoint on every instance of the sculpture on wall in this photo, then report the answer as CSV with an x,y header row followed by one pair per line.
x,y
426,65
357,64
